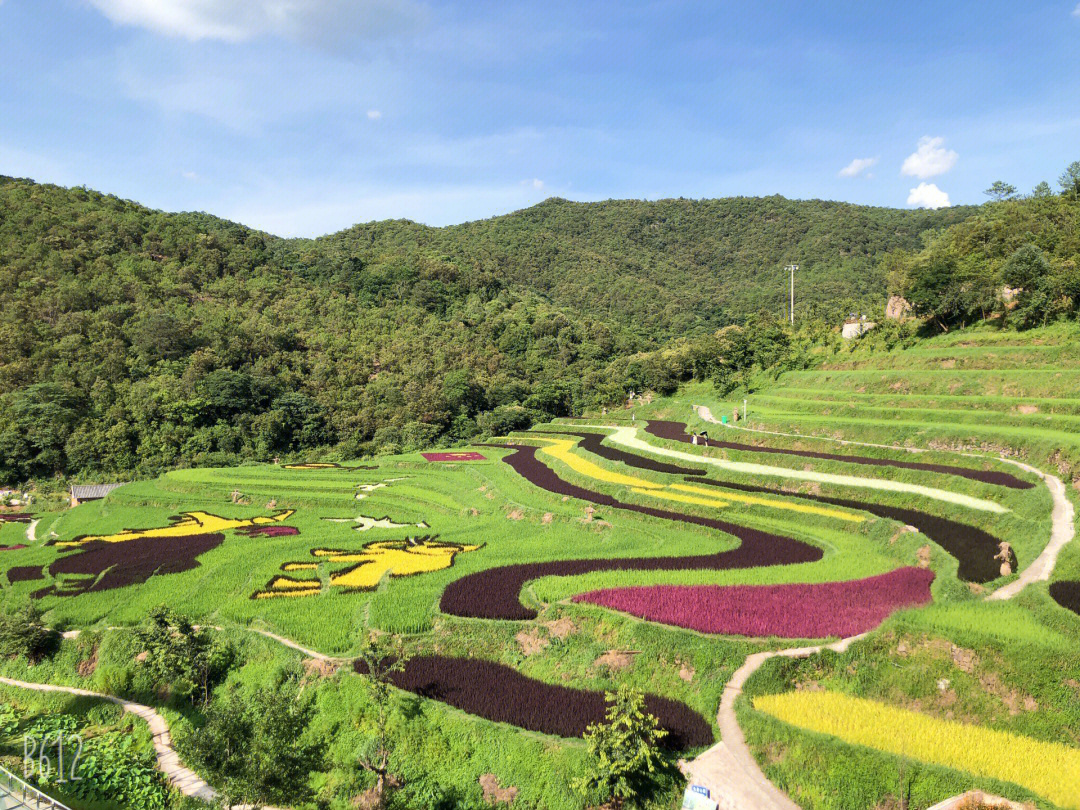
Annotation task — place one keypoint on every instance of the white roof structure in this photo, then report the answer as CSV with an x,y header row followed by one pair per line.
x,y
92,492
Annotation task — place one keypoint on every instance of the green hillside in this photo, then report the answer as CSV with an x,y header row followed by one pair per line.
x,y
136,340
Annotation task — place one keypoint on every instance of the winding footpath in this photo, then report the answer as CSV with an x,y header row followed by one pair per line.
x,y
168,761
729,769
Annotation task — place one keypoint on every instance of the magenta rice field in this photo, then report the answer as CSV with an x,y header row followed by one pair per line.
x,y
787,611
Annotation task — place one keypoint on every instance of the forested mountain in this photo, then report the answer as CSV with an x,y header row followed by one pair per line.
x,y
132,339
667,268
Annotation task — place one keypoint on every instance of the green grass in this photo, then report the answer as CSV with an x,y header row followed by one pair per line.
x,y
957,391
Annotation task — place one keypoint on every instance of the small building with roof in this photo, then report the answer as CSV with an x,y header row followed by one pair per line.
x,y
81,493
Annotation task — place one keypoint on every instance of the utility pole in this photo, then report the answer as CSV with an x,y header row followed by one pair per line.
x,y
792,268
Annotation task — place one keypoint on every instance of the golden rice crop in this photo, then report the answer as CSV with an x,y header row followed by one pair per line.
x,y
1050,769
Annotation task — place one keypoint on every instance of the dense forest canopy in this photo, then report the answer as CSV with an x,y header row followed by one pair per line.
x,y
132,340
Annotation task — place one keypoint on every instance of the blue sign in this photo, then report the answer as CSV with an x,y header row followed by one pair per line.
x,y
701,790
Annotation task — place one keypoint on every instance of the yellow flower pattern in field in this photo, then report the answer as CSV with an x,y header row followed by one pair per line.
x,y
793,507
186,525
398,558
287,586
562,449
1050,769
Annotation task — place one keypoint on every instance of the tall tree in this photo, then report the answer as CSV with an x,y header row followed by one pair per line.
x,y
1070,180
380,660
1000,190
255,748
624,756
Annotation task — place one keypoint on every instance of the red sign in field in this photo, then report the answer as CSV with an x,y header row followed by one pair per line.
x,y
465,456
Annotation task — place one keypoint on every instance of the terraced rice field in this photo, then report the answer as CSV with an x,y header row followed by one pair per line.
x,y
536,571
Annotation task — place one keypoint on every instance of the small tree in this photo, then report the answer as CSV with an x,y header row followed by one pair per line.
x,y
1000,190
379,660
255,748
1070,180
22,633
624,756
186,660
1042,190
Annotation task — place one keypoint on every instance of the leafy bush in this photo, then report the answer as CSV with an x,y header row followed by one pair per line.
x,y
22,633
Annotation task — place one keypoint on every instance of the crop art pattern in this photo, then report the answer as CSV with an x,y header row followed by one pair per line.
x,y
494,592
973,548
501,694
185,525
104,562
676,431
787,611
396,558
1067,594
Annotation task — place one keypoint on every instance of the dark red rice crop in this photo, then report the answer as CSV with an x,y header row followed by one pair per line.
x,y
973,548
23,573
788,611
1067,594
499,693
268,531
494,593
676,431
102,566
15,547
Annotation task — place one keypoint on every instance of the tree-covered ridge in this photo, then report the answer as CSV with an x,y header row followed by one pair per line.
x,y
1015,259
670,267
133,340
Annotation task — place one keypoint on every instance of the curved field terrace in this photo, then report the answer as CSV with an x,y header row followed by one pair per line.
x,y
1067,594
973,548
494,593
502,694
786,611
676,431
594,443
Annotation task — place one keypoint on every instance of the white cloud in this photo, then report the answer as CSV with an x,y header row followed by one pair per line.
x,y
857,167
374,115
1076,11
319,22
928,195
189,175
537,183
930,159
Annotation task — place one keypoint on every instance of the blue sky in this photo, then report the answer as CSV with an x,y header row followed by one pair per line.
x,y
302,117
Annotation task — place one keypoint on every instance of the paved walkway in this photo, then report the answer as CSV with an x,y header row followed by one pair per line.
x,y
168,761
1063,529
729,769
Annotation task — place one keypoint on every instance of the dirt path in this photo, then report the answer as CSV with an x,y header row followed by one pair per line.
x,y
168,761
729,769
1063,529
627,436
293,645
1062,516
31,530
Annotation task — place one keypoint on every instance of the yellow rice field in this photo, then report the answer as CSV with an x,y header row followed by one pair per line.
x,y
1050,769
